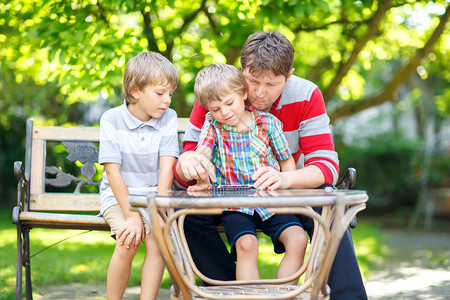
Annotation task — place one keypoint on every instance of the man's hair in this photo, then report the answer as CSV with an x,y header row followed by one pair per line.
x,y
147,68
217,80
268,51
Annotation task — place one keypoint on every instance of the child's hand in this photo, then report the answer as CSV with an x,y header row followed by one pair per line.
x,y
195,166
200,186
131,233
269,178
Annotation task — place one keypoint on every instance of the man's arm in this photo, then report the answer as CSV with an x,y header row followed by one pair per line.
x,y
316,141
192,134
190,165
306,178
309,122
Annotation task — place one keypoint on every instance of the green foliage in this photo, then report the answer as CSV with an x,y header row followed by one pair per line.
x,y
56,56
438,174
386,168
85,258
84,46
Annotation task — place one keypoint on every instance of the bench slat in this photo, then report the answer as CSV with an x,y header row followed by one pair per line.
x,y
37,168
63,221
65,202
60,133
74,133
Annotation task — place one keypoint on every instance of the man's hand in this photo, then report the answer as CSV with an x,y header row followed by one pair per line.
x,y
192,165
270,179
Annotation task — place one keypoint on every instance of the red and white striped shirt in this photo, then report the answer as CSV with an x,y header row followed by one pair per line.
x,y
301,110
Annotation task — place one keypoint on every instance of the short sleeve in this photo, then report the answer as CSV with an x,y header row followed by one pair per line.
x,y
169,145
208,134
109,149
278,141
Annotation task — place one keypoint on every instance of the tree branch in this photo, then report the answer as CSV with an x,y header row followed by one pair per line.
x,y
101,13
148,32
388,93
187,20
211,22
325,26
343,20
345,67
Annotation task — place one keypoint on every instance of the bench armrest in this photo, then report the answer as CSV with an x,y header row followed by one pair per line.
x,y
19,173
348,180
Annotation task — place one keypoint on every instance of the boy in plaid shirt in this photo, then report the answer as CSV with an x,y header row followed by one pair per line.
x,y
238,139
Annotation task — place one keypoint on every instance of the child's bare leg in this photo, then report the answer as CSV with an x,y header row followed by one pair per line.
x,y
152,270
294,240
119,271
247,249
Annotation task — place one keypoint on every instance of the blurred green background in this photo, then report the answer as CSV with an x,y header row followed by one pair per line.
x,y
382,66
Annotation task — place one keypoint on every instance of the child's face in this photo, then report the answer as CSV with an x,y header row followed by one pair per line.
x,y
229,110
151,102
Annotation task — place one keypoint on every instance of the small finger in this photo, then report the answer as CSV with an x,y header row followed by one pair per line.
x,y
274,186
137,240
190,172
261,179
202,173
260,171
211,170
121,236
129,241
267,181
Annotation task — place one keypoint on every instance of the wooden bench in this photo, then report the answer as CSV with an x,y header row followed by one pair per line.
x,y
62,192
59,193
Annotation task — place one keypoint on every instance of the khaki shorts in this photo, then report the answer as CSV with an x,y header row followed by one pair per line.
x,y
115,218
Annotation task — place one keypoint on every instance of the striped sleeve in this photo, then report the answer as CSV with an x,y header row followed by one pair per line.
x,y
315,138
207,135
196,120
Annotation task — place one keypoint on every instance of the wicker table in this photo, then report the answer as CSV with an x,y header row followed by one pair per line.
x,y
339,208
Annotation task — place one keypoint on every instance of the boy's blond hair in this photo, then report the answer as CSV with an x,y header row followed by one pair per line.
x,y
268,51
147,68
217,80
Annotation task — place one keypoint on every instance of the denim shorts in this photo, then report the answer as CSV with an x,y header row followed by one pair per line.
x,y
237,224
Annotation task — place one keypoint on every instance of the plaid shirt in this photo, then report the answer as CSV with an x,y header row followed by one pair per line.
x,y
238,154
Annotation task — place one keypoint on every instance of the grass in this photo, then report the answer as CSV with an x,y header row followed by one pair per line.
x,y
84,258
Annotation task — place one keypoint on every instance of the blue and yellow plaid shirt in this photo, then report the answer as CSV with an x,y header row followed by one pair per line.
x,y
238,154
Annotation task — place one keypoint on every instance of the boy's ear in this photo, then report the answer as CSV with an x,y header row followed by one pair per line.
x,y
134,90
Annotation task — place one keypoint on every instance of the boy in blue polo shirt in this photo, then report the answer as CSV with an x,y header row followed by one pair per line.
x,y
138,148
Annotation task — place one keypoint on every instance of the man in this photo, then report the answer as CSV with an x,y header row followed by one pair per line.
x,y
267,64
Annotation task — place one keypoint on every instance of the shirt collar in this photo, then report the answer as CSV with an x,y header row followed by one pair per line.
x,y
275,105
132,122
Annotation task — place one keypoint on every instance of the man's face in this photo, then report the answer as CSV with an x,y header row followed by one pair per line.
x,y
265,88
